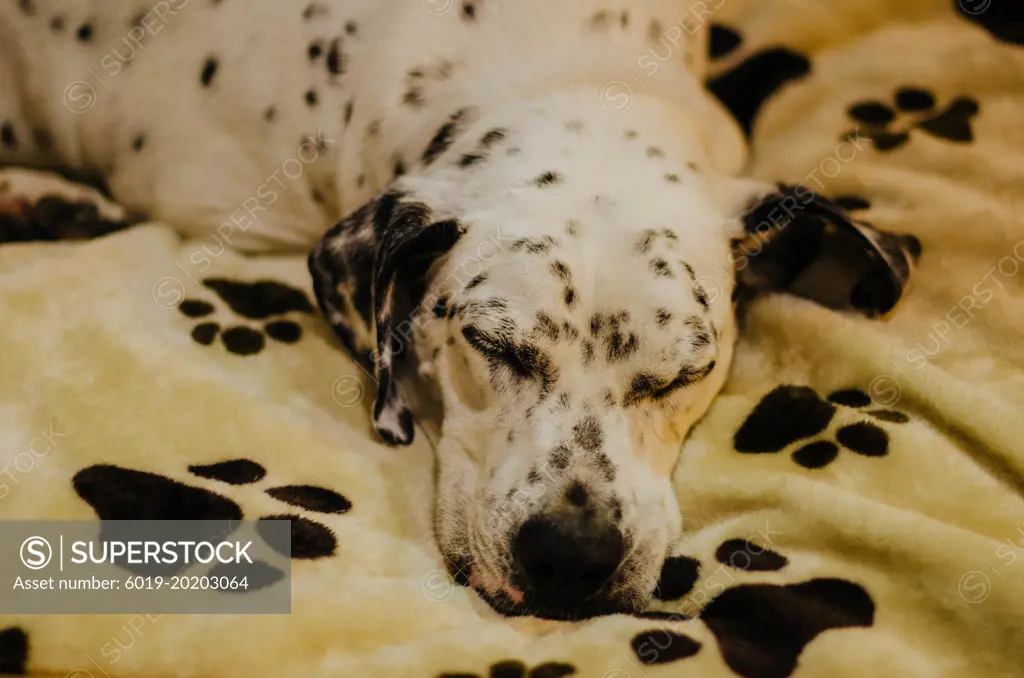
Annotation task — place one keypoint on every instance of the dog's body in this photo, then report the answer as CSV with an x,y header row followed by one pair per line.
x,y
540,205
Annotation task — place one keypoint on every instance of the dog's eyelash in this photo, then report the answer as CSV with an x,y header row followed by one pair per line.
x,y
523,359
649,387
496,350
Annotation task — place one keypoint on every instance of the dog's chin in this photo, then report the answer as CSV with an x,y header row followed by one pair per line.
x,y
509,601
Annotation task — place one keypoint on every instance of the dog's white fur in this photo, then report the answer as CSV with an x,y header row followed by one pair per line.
x,y
612,104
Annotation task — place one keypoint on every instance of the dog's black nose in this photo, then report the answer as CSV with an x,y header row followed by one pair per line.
x,y
561,563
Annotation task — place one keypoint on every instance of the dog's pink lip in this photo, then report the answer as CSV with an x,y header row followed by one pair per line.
x,y
478,582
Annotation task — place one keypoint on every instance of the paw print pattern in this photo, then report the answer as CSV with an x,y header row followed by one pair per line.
x,y
791,414
889,127
117,493
516,669
761,629
13,651
263,300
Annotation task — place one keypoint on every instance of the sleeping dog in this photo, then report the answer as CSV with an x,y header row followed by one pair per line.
x,y
543,231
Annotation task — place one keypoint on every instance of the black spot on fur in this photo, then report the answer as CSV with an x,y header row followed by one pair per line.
x,y
469,11
560,457
311,98
315,50
547,326
663,316
620,346
587,352
534,245
476,281
445,135
700,295
604,464
233,472
672,178
493,136
209,71
548,179
84,33
335,58
470,159
587,434
660,268
349,107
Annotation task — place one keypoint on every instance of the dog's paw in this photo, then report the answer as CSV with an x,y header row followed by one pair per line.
x,y
40,206
265,301
795,414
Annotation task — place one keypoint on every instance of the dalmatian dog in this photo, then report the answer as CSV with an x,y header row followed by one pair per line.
x,y
541,227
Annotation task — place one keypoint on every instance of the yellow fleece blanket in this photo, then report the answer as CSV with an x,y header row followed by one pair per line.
x,y
852,501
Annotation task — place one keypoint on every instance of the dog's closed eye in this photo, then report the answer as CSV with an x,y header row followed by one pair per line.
x,y
524,360
647,386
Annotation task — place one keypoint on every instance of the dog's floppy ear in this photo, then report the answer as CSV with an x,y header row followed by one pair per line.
x,y
369,274
807,245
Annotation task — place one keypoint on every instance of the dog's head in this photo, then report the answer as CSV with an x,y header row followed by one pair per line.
x,y
577,323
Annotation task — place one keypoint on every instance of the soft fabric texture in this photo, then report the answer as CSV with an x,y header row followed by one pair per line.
x,y
851,503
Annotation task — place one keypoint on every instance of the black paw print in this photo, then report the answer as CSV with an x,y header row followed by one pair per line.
x,y
516,669
761,629
915,108
13,651
791,414
117,493
261,300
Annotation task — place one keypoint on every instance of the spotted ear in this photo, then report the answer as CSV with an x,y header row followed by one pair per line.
x,y
807,245
369,274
